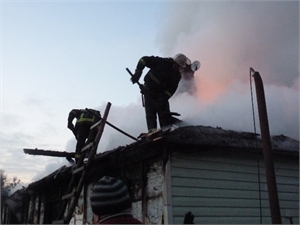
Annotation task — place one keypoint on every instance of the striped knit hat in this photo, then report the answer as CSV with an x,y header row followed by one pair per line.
x,y
109,196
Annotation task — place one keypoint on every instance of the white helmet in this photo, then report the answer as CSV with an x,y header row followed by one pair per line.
x,y
182,60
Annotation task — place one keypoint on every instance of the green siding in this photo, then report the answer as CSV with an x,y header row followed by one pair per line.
x,y
223,188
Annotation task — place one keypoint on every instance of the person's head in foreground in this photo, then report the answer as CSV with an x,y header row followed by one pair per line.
x,y
111,202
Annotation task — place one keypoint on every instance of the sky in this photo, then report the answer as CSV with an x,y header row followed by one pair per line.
x,y
60,55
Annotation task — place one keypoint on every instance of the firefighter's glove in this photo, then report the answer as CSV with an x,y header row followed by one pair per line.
x,y
136,76
188,218
144,90
70,126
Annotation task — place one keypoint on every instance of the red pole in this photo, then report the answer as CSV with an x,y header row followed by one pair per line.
x,y
267,149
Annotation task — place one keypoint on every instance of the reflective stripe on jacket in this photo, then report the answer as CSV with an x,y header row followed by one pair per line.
x,y
85,117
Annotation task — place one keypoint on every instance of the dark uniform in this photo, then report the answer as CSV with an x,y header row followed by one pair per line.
x,y
161,83
83,123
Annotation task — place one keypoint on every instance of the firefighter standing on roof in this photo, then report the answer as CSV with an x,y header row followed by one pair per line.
x,y
83,123
161,82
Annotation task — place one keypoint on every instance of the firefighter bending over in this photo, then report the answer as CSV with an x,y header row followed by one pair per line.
x,y
81,130
161,82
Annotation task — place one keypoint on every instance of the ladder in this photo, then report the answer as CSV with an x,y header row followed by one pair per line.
x,y
79,174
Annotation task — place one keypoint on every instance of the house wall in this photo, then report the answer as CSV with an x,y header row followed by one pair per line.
x,y
154,192
145,182
223,187
216,186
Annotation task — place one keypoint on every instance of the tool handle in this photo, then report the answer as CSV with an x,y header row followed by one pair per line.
x,y
131,74
252,70
138,83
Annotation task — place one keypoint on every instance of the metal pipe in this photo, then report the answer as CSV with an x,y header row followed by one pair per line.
x,y
267,149
121,131
113,126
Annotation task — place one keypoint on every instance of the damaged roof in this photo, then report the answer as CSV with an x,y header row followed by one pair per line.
x,y
209,136
201,137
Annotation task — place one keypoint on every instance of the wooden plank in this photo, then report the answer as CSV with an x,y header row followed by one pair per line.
x,y
288,196
214,193
78,170
285,180
68,196
284,204
214,175
288,188
185,201
48,153
209,183
225,202
95,125
216,166
87,146
285,173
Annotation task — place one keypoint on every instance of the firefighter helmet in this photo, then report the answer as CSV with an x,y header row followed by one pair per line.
x,y
182,60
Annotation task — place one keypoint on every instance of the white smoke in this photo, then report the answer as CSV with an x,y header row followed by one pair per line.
x,y
51,167
228,38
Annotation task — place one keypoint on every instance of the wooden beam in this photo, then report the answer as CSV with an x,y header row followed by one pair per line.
x,y
48,153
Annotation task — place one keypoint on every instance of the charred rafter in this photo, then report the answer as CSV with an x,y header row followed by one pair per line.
x,y
48,153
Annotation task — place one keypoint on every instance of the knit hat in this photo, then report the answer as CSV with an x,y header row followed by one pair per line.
x,y
109,196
